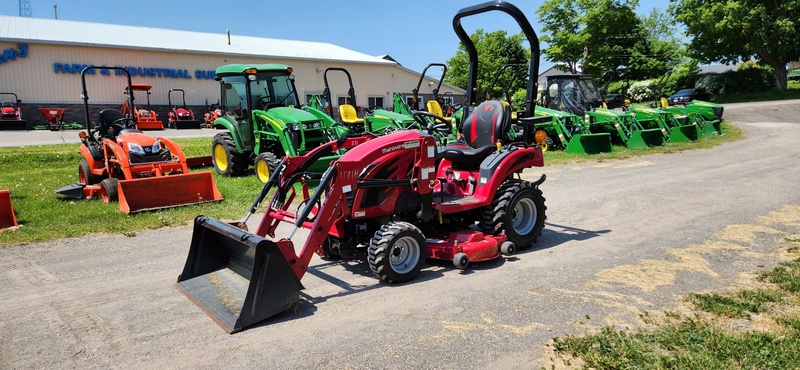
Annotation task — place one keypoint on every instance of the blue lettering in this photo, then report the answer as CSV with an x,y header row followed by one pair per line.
x,y
12,54
168,72
204,75
57,67
151,72
160,71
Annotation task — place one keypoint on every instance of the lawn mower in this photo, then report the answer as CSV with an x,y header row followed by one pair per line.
x,y
180,116
120,163
145,118
10,115
395,199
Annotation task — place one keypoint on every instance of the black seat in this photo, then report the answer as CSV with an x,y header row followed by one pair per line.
x,y
105,122
481,130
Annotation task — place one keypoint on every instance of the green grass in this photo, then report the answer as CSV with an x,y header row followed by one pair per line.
x,y
33,173
698,342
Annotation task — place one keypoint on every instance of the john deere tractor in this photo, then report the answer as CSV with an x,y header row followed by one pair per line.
x,y
264,122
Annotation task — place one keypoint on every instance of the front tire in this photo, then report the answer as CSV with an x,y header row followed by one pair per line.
x,y
397,252
518,210
265,163
109,190
226,159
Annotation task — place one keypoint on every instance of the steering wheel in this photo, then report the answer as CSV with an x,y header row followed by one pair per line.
x,y
368,110
265,103
123,123
436,123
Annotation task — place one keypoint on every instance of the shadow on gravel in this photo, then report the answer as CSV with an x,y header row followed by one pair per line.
x,y
554,235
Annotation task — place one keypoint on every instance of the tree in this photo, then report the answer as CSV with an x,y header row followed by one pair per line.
x,y
611,36
734,30
495,49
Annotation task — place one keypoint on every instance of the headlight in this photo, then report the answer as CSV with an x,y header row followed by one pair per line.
x,y
316,124
135,149
296,127
157,147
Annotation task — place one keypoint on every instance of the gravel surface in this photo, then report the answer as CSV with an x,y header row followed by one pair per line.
x,y
623,239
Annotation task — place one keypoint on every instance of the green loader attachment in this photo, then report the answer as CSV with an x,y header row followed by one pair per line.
x,y
677,131
624,128
237,278
569,132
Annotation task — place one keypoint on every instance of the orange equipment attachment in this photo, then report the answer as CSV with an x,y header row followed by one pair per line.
x,y
146,194
7,218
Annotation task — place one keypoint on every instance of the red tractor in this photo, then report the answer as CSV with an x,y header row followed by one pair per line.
x,y
10,116
180,116
393,200
142,172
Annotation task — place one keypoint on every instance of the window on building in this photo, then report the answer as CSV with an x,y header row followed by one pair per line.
x,y
410,101
375,101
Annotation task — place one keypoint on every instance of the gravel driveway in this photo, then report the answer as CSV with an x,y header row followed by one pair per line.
x,y
623,239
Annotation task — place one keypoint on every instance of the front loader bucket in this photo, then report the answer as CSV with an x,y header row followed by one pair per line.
x,y
684,134
713,127
149,125
151,193
7,218
590,144
237,278
645,138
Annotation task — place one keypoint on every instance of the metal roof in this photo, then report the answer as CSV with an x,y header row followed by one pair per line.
x,y
65,32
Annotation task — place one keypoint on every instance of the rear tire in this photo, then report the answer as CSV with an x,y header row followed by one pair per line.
x,y
227,161
265,163
85,174
397,252
518,210
109,190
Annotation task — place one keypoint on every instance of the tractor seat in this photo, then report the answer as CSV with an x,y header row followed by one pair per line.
x,y
481,130
349,115
105,124
435,108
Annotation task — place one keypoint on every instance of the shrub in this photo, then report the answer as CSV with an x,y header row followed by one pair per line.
x,y
641,91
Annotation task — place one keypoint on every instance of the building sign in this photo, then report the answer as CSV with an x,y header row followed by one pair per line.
x,y
12,54
154,72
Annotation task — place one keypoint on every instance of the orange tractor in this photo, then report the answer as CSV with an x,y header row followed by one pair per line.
x,y
142,172
145,118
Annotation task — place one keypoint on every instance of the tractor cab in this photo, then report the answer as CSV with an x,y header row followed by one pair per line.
x,y
573,93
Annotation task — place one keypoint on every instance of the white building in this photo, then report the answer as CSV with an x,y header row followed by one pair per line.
x,y
42,59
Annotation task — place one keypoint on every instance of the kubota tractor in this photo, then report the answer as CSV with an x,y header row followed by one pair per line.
x,y
10,116
180,116
120,163
146,118
396,199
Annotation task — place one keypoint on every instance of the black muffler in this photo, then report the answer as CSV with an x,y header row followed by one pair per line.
x,y
237,278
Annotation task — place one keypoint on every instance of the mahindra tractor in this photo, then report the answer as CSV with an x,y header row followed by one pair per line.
x,y
263,121
392,201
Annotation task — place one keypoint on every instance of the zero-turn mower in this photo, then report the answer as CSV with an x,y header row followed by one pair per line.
x,y
396,199
180,116
141,172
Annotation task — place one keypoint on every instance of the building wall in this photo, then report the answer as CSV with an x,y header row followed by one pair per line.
x,y
49,75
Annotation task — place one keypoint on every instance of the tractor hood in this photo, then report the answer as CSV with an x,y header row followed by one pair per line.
x,y
291,115
138,138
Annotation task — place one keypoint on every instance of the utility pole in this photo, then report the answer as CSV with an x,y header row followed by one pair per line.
x,y
25,8
55,10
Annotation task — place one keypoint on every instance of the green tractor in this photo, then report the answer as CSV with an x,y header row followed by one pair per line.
x,y
375,121
264,121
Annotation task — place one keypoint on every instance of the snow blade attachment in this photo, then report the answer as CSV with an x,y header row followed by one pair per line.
x,y
151,193
7,218
237,278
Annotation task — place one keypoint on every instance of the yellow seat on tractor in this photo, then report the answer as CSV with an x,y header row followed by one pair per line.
x,y
349,115
435,108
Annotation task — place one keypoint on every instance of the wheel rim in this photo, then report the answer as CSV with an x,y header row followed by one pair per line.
x,y
220,157
262,171
404,255
524,217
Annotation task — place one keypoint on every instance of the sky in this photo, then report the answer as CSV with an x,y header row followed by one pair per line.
x,y
413,32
